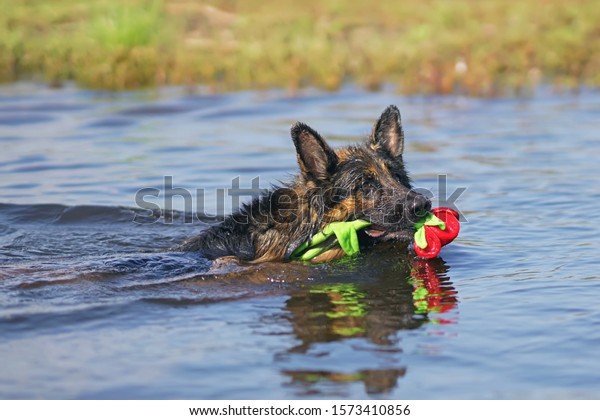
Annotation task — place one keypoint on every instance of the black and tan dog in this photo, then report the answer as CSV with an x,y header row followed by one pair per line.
x,y
365,181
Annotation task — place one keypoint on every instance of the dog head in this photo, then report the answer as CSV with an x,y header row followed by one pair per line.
x,y
367,181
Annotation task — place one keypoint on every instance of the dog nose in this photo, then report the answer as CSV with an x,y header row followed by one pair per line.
x,y
420,205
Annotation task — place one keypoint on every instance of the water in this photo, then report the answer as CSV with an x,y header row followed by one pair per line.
x,y
93,305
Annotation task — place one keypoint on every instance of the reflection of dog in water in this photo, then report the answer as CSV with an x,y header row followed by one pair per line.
x,y
404,297
366,181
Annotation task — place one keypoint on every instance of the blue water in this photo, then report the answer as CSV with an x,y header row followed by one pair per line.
x,y
95,305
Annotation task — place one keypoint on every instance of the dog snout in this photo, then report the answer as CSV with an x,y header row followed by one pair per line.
x,y
419,205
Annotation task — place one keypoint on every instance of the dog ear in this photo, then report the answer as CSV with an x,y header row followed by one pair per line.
x,y
316,159
387,132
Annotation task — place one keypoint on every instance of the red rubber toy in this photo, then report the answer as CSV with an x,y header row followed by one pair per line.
x,y
435,230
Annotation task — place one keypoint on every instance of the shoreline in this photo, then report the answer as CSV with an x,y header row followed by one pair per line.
x,y
434,47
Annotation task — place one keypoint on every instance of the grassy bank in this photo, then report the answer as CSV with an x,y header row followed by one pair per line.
x,y
476,47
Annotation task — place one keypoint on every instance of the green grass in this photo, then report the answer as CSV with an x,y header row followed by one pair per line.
x,y
485,47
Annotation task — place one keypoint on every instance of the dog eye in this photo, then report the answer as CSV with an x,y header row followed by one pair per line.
x,y
369,178
402,179
367,181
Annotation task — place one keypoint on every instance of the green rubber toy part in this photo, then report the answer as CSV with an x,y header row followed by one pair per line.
x,y
429,220
345,233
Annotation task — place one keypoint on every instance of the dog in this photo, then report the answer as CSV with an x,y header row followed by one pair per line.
x,y
366,181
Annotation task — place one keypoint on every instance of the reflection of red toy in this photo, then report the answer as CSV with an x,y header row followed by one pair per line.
x,y
437,229
431,294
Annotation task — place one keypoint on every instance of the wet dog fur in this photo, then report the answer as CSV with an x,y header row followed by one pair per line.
x,y
366,181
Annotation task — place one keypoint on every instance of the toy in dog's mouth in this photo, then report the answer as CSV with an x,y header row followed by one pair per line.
x,y
430,233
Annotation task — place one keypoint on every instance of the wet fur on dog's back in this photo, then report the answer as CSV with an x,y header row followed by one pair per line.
x,y
366,181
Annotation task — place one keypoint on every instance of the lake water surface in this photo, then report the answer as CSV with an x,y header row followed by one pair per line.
x,y
94,305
